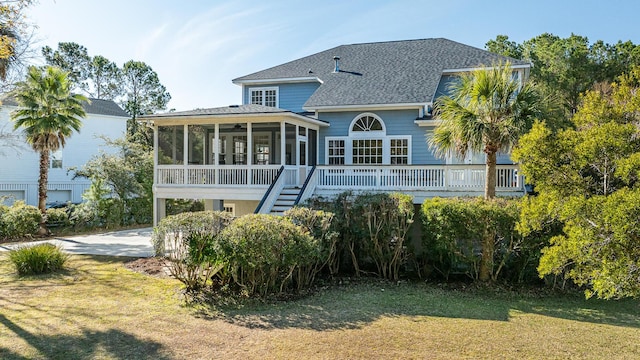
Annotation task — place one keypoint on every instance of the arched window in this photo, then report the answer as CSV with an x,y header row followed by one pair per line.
x,y
367,123
368,144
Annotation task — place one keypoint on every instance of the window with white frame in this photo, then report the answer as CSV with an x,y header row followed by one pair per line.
x,y
335,150
264,96
367,151
56,159
368,144
399,151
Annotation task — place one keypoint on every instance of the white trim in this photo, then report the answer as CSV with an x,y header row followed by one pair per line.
x,y
279,81
448,71
368,107
386,147
232,118
367,134
433,122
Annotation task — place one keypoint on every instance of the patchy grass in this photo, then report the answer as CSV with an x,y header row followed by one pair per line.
x,y
99,309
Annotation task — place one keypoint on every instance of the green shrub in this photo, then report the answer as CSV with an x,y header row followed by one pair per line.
x,y
38,259
181,225
3,227
454,232
372,230
189,243
318,224
21,220
58,218
265,254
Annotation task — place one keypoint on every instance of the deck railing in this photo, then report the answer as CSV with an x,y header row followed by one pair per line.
x,y
379,177
224,175
426,177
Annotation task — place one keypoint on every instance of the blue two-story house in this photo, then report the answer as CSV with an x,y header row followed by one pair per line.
x,y
354,117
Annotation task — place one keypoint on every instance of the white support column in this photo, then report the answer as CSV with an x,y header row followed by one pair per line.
x,y
249,154
216,152
283,144
160,209
155,156
185,153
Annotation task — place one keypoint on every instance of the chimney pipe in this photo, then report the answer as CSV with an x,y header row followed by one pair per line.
x,y
337,60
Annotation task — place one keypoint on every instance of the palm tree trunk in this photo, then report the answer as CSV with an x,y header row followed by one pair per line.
x,y
43,180
486,262
490,183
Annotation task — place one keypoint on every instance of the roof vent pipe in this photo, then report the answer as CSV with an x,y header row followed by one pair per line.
x,y
337,60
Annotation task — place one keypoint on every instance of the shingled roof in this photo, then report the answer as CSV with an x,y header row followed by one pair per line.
x,y
232,110
96,106
395,72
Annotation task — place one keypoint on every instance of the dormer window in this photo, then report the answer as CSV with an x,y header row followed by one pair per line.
x,y
264,96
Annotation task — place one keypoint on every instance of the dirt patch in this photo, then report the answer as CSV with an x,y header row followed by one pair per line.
x,y
152,266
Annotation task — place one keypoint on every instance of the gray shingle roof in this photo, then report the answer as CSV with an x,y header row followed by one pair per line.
x,y
226,110
395,72
97,106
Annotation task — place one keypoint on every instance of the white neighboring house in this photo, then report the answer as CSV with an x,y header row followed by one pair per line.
x,y
19,174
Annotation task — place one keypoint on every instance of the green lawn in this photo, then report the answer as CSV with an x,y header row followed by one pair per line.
x,y
99,309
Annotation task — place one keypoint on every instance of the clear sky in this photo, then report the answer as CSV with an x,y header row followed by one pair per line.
x,y
197,47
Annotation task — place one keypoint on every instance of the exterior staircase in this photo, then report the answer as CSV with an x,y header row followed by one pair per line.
x,y
286,200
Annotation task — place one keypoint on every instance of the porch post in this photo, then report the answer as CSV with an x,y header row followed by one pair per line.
x,y
249,153
185,153
216,151
155,155
283,144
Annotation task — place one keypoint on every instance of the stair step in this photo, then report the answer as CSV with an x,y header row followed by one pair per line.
x,y
280,208
288,197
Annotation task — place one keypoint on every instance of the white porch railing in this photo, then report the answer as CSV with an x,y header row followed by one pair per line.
x,y
379,177
225,175
421,177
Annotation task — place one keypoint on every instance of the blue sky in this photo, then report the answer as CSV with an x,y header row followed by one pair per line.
x,y
198,46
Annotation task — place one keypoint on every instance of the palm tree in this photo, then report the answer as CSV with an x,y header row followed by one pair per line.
x,y
49,114
488,111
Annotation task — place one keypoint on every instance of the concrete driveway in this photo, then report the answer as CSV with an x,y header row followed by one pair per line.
x,y
133,243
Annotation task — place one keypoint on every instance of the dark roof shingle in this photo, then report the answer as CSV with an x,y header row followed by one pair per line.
x,y
225,110
395,72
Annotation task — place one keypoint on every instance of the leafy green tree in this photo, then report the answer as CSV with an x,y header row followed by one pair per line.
x,y
72,58
105,79
128,174
13,33
562,67
144,94
501,45
49,114
587,177
487,111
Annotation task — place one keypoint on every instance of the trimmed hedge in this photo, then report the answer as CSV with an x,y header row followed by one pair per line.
x,y
19,220
454,231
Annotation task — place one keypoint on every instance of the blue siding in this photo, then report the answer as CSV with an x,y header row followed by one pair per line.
x,y
397,122
446,81
290,96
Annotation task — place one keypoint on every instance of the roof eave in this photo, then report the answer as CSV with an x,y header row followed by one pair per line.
x,y
449,71
398,106
292,80
173,118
